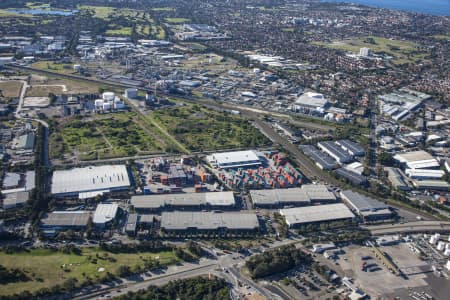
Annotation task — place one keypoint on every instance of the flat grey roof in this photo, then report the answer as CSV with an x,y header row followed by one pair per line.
x,y
11,180
91,178
303,195
14,199
66,218
186,199
336,150
352,176
361,202
351,146
319,213
146,218
208,220
326,161
132,221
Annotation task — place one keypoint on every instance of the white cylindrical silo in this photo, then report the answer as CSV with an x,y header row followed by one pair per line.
x,y
108,96
440,246
447,252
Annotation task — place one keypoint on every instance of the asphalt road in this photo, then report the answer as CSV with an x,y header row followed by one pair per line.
x,y
411,227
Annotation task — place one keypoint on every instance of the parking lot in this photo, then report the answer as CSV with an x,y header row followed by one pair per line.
x,y
376,280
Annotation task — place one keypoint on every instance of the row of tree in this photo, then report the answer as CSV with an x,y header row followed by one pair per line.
x,y
186,289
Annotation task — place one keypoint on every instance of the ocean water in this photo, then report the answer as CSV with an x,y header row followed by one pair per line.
x,y
434,7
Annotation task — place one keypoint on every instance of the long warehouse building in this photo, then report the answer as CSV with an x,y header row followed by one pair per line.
x,y
335,151
194,201
368,208
306,195
316,214
209,222
417,160
90,181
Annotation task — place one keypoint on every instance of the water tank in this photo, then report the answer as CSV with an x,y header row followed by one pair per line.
x,y
441,246
98,103
448,265
131,93
76,68
449,238
447,252
106,106
108,96
437,235
447,246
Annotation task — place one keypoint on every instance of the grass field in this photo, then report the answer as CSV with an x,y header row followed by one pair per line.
x,y
122,31
47,268
104,136
43,90
10,89
101,12
199,128
402,51
177,20
54,67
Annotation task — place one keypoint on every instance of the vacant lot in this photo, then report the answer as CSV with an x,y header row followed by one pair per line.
x,y
402,51
103,136
47,268
10,89
199,128
44,90
54,67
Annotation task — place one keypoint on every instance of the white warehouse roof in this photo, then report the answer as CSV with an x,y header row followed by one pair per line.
x,y
105,212
234,159
319,213
89,179
312,99
417,159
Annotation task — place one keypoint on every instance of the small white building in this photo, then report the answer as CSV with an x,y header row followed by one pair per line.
x,y
105,213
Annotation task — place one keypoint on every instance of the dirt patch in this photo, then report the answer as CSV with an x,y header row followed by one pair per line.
x,y
44,90
10,89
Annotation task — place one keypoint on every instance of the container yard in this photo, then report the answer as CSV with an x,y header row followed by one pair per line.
x,y
275,171
161,175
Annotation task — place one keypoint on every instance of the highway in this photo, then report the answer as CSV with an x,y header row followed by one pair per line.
x,y
411,227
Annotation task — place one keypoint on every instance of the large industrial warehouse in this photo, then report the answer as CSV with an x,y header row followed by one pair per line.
x,y
64,220
218,200
227,160
322,160
368,208
316,214
335,151
305,195
90,181
209,222
417,160
351,147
